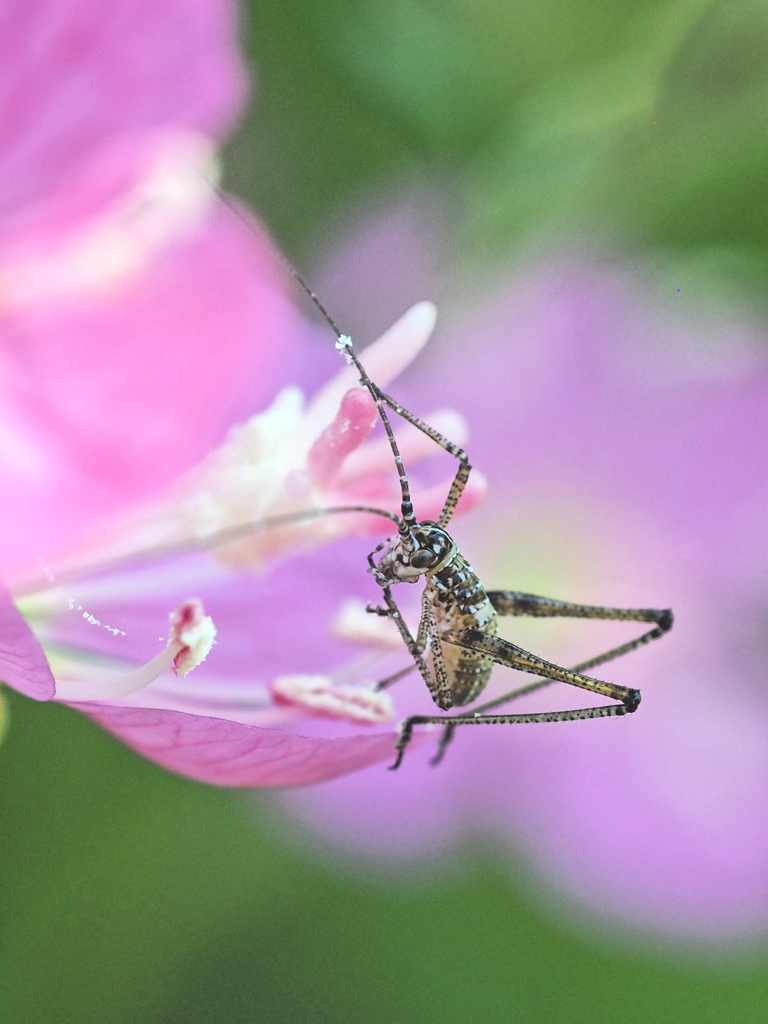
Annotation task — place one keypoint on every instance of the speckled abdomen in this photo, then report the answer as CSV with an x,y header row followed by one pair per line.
x,y
460,602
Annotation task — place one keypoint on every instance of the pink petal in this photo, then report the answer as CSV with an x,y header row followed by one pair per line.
x,y
227,753
22,662
75,74
320,695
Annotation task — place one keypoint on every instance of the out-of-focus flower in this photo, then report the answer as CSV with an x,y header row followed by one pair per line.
x,y
623,438
140,318
120,271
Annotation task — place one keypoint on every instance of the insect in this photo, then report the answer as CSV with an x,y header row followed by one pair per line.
x,y
456,646
456,643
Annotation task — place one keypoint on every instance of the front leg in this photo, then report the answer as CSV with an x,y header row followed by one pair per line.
x,y
464,469
378,609
436,680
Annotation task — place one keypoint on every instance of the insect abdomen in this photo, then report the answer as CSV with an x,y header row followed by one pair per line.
x,y
461,603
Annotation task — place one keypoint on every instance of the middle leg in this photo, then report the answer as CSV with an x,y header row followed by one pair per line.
x,y
462,473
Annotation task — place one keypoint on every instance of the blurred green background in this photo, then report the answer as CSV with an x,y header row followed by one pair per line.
x,y
134,896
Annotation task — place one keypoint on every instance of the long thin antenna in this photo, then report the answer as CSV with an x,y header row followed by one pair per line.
x,y
288,266
344,344
227,535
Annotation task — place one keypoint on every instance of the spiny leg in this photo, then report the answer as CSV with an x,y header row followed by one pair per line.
x,y
390,610
440,689
523,691
505,653
609,711
511,602
462,473
421,641
395,677
437,680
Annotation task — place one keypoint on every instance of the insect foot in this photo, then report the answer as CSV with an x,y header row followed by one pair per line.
x,y
406,734
631,702
378,609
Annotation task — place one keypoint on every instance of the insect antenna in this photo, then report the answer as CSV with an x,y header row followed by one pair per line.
x,y
344,344
408,522
207,542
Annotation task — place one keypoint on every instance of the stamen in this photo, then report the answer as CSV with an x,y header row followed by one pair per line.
x,y
320,695
192,635
195,634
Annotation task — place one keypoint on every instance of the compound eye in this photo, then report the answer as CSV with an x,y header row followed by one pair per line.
x,y
423,559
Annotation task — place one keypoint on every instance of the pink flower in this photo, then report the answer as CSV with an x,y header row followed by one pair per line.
x,y
623,439
141,319
282,661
